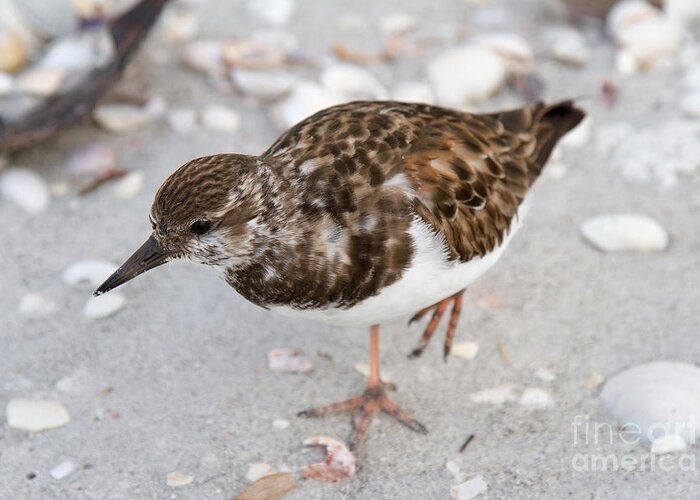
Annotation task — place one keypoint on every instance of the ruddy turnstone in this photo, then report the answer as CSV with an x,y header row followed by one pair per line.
x,y
359,214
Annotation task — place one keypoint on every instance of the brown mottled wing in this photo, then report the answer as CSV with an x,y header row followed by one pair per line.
x,y
464,174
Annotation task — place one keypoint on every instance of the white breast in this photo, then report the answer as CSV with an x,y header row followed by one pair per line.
x,y
430,278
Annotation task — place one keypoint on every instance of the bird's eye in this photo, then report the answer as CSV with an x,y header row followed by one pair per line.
x,y
200,226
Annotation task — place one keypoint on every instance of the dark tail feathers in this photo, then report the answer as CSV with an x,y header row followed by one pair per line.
x,y
554,121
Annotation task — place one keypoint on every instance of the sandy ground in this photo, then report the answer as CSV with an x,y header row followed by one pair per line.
x,y
186,359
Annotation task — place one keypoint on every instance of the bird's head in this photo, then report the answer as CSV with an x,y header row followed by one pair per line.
x,y
205,211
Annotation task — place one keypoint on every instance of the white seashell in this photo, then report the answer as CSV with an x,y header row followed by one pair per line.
x,y
398,23
87,274
304,100
263,84
352,83
75,53
36,305
691,104
129,185
465,74
258,470
13,51
625,232
63,470
178,479
288,361
25,189
252,54
545,375
668,443
181,25
92,159
7,84
534,397
182,120
280,423
35,415
454,469
656,399
414,92
339,463
469,489
496,395
629,12
220,118
513,49
465,350
580,135
626,63
204,55
124,118
41,81
275,12
104,305
567,45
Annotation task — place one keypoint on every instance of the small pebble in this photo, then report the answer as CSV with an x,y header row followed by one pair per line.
x,y
625,232
35,415
129,185
280,423
87,274
258,470
220,118
465,350
469,489
594,380
25,189
454,469
534,397
104,305
288,361
63,470
177,479
36,305
339,463
496,395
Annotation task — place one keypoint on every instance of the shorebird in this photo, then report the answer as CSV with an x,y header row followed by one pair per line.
x,y
360,214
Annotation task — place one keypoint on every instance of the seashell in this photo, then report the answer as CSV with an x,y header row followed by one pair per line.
x,y
465,74
465,350
496,395
35,415
625,232
258,470
270,487
220,118
41,81
534,397
205,56
129,185
305,99
469,489
513,49
251,54
668,443
13,51
87,274
274,12
567,45
92,159
63,470
660,399
36,305
398,23
352,83
180,25
280,423
454,469
414,92
182,120
338,465
288,361
25,189
124,118
263,84
178,479
76,53
104,305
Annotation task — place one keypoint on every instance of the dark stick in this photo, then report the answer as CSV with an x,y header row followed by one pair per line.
x,y
469,439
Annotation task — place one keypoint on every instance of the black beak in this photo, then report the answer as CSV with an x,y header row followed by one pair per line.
x,y
147,257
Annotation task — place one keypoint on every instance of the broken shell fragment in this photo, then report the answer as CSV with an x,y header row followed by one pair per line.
x,y
352,83
398,23
205,56
258,470
251,54
129,185
25,189
104,306
220,118
35,305
87,274
625,232
124,118
178,479
41,81
305,99
338,464
270,487
469,489
288,360
62,470
35,415
263,84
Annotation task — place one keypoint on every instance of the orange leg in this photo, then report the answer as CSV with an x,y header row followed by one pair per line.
x,y
372,401
438,311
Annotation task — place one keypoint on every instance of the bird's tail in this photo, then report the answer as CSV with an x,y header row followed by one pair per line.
x,y
554,121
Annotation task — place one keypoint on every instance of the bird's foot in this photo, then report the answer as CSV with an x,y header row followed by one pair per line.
x,y
372,401
438,311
